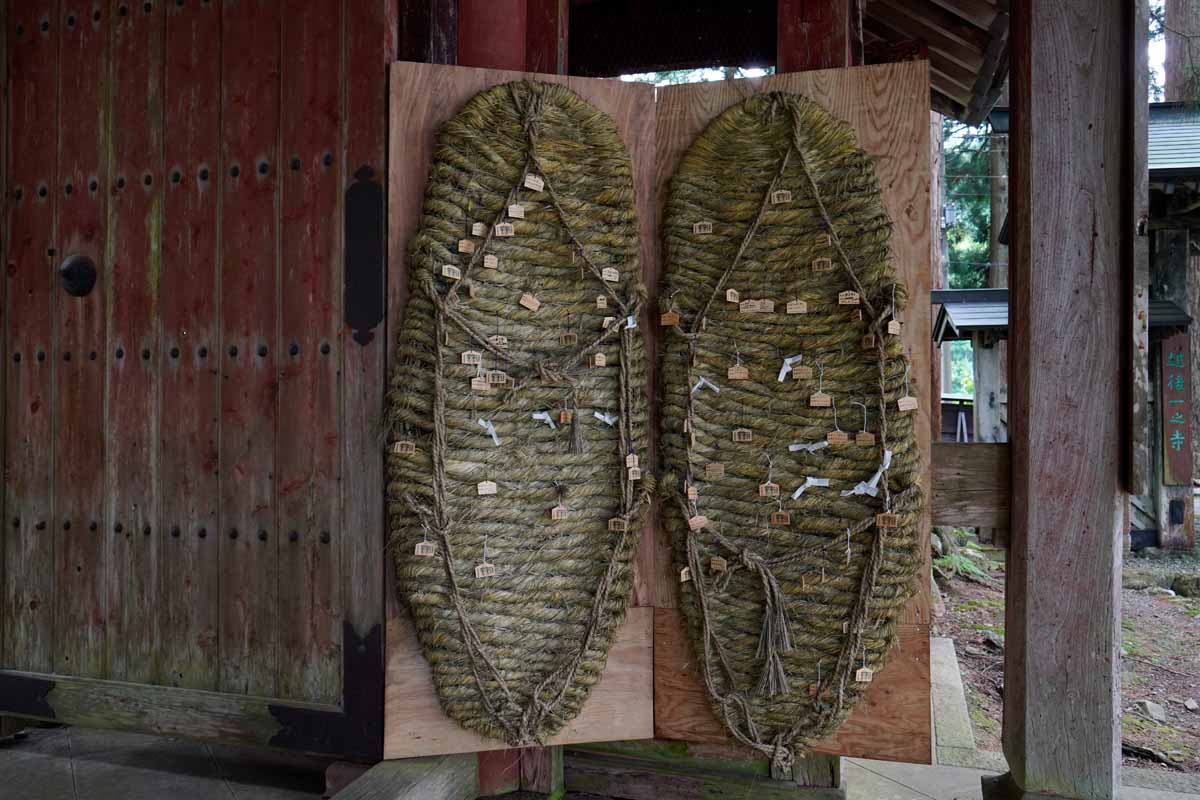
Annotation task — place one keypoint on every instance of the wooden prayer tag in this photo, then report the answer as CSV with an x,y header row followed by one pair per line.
x,y
479,384
824,240
497,377
822,265
845,627
868,341
607,321
530,302
685,575
496,340
485,488
697,522
558,512
471,357
820,400
714,470
601,301
610,274
504,229
768,489
516,211
466,246
702,227
687,424
738,372
598,360
690,491
452,272
668,319
847,298
749,307
907,404
766,306
797,307
425,549
569,339
718,564
534,182
617,525
485,571
631,460
837,437
864,438
802,373
813,690
404,448
781,196
781,518
743,435
887,520
478,229
470,289
732,296
635,473
856,315
895,327
491,262
864,675
564,417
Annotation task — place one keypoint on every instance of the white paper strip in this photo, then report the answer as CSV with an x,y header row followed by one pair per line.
x,y
544,416
606,418
808,483
630,322
871,487
788,363
705,382
487,425
813,447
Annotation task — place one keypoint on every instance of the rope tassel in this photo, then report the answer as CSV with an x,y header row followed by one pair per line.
x,y
774,640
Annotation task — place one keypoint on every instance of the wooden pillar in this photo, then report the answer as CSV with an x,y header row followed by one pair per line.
x,y
936,279
815,34
1073,67
428,31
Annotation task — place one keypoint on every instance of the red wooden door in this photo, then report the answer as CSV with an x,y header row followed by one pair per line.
x,y
193,367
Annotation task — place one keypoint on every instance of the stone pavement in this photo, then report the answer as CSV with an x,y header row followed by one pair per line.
x,y
77,764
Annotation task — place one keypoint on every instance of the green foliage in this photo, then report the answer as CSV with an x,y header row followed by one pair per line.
x,y
962,368
968,165
966,560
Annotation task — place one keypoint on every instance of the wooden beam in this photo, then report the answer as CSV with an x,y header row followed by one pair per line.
x,y
428,31
542,771
443,777
1072,64
546,29
908,23
491,33
813,34
971,485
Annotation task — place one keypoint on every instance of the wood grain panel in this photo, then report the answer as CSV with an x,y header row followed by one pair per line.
x,y
81,354
422,96
308,447
620,705
972,484
886,105
892,723
28,467
129,554
189,457
250,59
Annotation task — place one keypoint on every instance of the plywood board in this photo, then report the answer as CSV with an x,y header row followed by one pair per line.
x,y
423,96
887,106
619,707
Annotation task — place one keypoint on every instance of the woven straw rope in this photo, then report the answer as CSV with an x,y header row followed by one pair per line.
x,y
514,656
779,670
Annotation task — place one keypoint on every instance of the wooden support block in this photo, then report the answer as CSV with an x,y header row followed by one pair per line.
x,y
499,772
452,777
542,771
972,484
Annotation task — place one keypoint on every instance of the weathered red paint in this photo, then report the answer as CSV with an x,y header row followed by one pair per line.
x,y
491,33
546,29
813,34
250,53
28,464
189,455
307,455
79,386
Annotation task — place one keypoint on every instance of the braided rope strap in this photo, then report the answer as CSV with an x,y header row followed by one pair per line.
x,y
787,596
517,594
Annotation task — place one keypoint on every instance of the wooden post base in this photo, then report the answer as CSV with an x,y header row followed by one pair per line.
x,y
542,771
1003,787
11,728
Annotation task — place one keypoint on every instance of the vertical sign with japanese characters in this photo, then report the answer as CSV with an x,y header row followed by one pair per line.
x,y
1176,411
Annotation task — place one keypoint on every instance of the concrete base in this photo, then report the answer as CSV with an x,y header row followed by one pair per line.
x,y
1003,787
